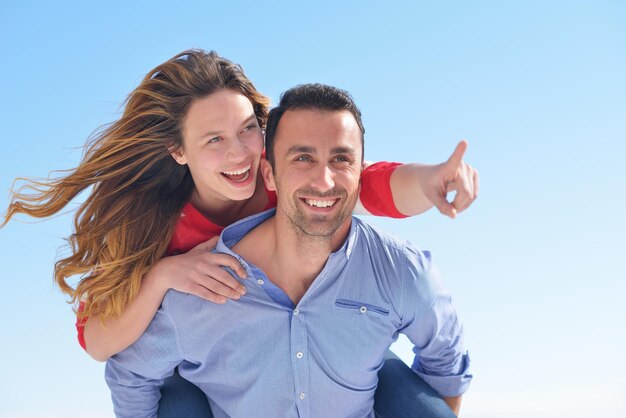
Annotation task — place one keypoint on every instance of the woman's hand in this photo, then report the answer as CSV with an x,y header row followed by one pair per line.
x,y
199,272
417,187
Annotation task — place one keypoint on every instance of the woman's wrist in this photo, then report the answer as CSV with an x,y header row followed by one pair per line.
x,y
156,279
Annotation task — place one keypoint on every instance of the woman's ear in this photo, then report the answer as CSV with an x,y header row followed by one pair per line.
x,y
268,174
178,155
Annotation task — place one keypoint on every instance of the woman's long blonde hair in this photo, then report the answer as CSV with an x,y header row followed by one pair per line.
x,y
137,189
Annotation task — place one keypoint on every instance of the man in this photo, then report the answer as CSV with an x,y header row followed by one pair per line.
x,y
328,293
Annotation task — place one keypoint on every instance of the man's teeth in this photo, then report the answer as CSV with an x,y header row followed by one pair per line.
x,y
320,203
237,172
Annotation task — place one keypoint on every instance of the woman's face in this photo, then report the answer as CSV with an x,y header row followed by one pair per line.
x,y
222,146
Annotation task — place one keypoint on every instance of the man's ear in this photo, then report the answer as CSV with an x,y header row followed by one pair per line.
x,y
178,155
268,174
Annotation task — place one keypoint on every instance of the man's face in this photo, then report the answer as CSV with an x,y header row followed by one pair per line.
x,y
318,162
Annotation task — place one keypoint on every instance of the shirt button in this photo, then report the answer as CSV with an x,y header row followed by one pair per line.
x,y
299,354
302,396
260,281
296,311
363,309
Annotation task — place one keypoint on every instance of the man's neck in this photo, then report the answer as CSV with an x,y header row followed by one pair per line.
x,y
290,258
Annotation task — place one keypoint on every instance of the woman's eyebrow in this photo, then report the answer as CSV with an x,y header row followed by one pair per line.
x,y
249,119
218,132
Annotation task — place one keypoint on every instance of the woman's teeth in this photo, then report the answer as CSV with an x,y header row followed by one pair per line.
x,y
236,172
238,175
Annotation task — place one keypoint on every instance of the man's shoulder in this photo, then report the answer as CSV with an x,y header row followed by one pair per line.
x,y
376,237
403,263
176,304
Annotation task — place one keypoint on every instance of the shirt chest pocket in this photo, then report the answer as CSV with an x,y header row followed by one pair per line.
x,y
362,331
361,307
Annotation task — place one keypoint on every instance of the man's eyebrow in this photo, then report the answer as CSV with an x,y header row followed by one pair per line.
x,y
343,150
218,132
295,149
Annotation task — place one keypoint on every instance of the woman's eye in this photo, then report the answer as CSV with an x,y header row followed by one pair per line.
x,y
214,140
250,127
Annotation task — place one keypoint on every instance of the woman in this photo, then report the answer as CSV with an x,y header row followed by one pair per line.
x,y
180,164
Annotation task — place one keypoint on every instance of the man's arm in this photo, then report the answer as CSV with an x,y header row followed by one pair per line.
x,y
135,375
430,322
133,395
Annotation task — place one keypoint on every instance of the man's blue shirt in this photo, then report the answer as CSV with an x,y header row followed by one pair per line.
x,y
263,356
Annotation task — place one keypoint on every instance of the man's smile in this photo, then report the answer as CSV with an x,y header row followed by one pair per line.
x,y
321,203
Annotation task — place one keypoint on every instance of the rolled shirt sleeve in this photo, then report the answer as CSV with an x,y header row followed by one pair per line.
x,y
135,375
430,322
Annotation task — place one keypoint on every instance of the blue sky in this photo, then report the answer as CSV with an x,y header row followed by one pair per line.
x,y
538,89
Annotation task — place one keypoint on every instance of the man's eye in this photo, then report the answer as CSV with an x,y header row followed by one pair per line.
x,y
304,158
341,159
214,140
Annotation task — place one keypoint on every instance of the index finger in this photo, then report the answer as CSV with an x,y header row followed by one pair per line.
x,y
457,156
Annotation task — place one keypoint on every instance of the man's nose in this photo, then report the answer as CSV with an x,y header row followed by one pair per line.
x,y
323,178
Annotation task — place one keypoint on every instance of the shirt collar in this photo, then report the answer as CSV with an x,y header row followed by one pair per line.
x,y
232,234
